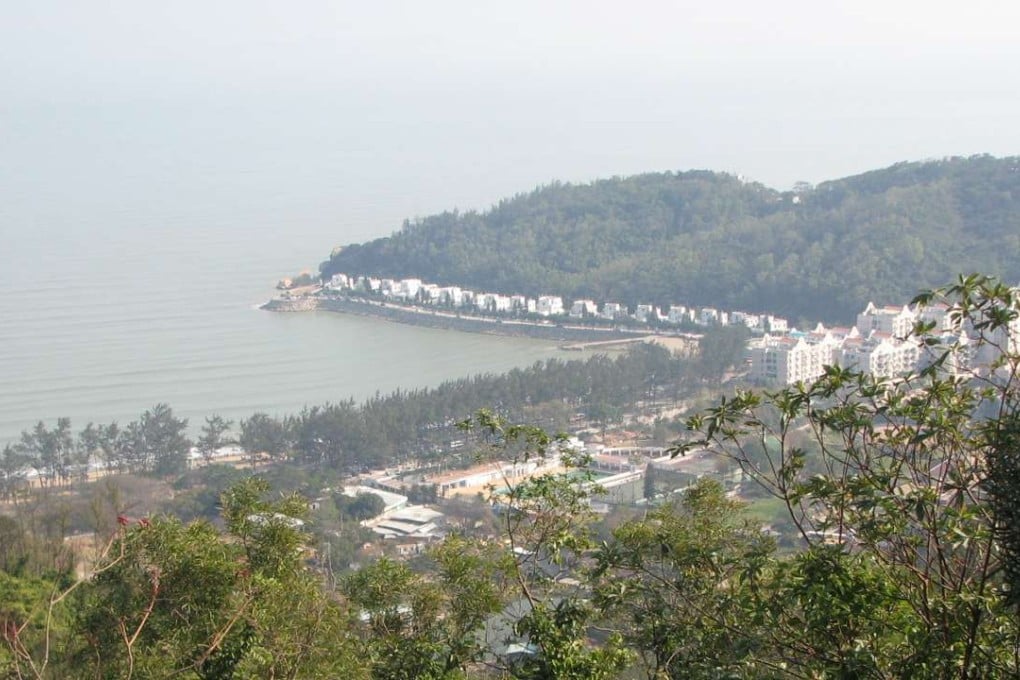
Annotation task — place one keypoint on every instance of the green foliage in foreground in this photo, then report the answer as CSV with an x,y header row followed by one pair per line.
x,y
906,566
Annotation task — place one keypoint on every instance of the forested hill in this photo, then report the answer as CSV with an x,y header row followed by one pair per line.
x,y
707,238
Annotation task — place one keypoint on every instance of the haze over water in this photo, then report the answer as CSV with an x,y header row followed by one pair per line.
x,y
162,164
132,266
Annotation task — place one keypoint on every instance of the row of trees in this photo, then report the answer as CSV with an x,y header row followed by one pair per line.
x,y
346,436
156,442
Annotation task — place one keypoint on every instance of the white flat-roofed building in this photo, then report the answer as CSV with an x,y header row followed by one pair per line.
x,y
407,289
519,303
550,305
613,311
581,309
492,303
775,324
430,293
339,282
643,313
751,321
677,314
708,316
503,303
451,295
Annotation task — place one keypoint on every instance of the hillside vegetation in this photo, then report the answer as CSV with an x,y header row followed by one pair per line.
x,y
706,238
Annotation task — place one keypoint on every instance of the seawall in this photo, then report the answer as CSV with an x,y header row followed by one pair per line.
x,y
451,321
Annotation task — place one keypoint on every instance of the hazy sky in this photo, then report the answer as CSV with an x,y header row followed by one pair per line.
x,y
778,91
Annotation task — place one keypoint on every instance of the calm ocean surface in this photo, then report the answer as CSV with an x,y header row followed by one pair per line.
x,y
133,256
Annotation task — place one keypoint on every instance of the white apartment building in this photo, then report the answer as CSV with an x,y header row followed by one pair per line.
x,y
880,355
896,321
789,360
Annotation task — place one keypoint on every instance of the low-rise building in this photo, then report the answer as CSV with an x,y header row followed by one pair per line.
x,y
550,305
645,313
612,311
411,522
708,316
774,324
339,282
752,321
451,296
430,293
582,309
521,304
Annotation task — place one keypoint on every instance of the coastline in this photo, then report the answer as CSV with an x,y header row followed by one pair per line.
x,y
577,337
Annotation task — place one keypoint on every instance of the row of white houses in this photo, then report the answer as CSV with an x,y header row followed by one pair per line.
x,y
419,292
880,344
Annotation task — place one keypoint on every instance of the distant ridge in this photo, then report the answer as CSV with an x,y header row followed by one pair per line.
x,y
707,238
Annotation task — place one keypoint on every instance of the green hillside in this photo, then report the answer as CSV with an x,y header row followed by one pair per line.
x,y
708,238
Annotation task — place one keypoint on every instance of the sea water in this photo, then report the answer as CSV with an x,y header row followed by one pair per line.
x,y
136,248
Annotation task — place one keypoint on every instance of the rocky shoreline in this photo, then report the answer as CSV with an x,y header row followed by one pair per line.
x,y
451,321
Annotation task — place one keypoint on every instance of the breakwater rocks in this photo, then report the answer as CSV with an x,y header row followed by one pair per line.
x,y
451,321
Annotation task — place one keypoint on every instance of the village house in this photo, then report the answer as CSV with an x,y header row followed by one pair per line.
x,y
708,316
774,324
339,282
612,311
429,293
519,304
582,309
644,313
550,305
751,321
492,303
451,296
